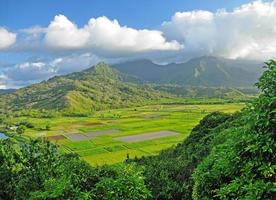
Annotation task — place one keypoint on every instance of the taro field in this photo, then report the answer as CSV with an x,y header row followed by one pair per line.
x,y
109,137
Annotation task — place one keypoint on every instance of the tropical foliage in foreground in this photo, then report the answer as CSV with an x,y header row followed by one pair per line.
x,y
225,157
36,170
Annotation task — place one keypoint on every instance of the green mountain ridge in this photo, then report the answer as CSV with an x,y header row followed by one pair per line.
x,y
99,87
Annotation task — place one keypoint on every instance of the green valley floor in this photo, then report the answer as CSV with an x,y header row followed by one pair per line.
x,y
109,137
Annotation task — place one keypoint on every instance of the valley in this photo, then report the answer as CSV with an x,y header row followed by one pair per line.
x,y
96,138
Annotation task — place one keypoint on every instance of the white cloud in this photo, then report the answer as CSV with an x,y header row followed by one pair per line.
x,y
248,31
6,38
105,37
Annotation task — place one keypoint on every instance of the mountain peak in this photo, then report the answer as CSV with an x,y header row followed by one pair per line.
x,y
102,68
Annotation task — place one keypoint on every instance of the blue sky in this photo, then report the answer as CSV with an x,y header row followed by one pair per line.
x,y
135,13
40,39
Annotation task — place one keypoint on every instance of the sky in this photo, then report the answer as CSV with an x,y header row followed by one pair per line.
x,y
41,39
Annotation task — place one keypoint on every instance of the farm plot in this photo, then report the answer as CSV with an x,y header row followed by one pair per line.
x,y
89,135
76,137
147,136
101,132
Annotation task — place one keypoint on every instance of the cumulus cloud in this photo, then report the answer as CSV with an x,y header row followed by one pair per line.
x,y
248,31
105,36
6,38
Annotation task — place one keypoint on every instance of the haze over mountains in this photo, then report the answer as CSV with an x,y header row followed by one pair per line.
x,y
203,71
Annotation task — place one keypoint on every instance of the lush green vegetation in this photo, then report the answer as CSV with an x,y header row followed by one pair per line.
x,y
226,156
243,166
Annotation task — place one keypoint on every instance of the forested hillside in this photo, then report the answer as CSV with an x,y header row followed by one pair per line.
x,y
225,157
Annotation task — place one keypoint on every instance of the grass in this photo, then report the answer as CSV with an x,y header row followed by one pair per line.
x,y
105,149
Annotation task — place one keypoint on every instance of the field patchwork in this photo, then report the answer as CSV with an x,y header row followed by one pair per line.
x,y
111,136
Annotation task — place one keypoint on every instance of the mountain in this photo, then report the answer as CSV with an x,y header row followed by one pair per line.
x,y
99,87
135,83
203,71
